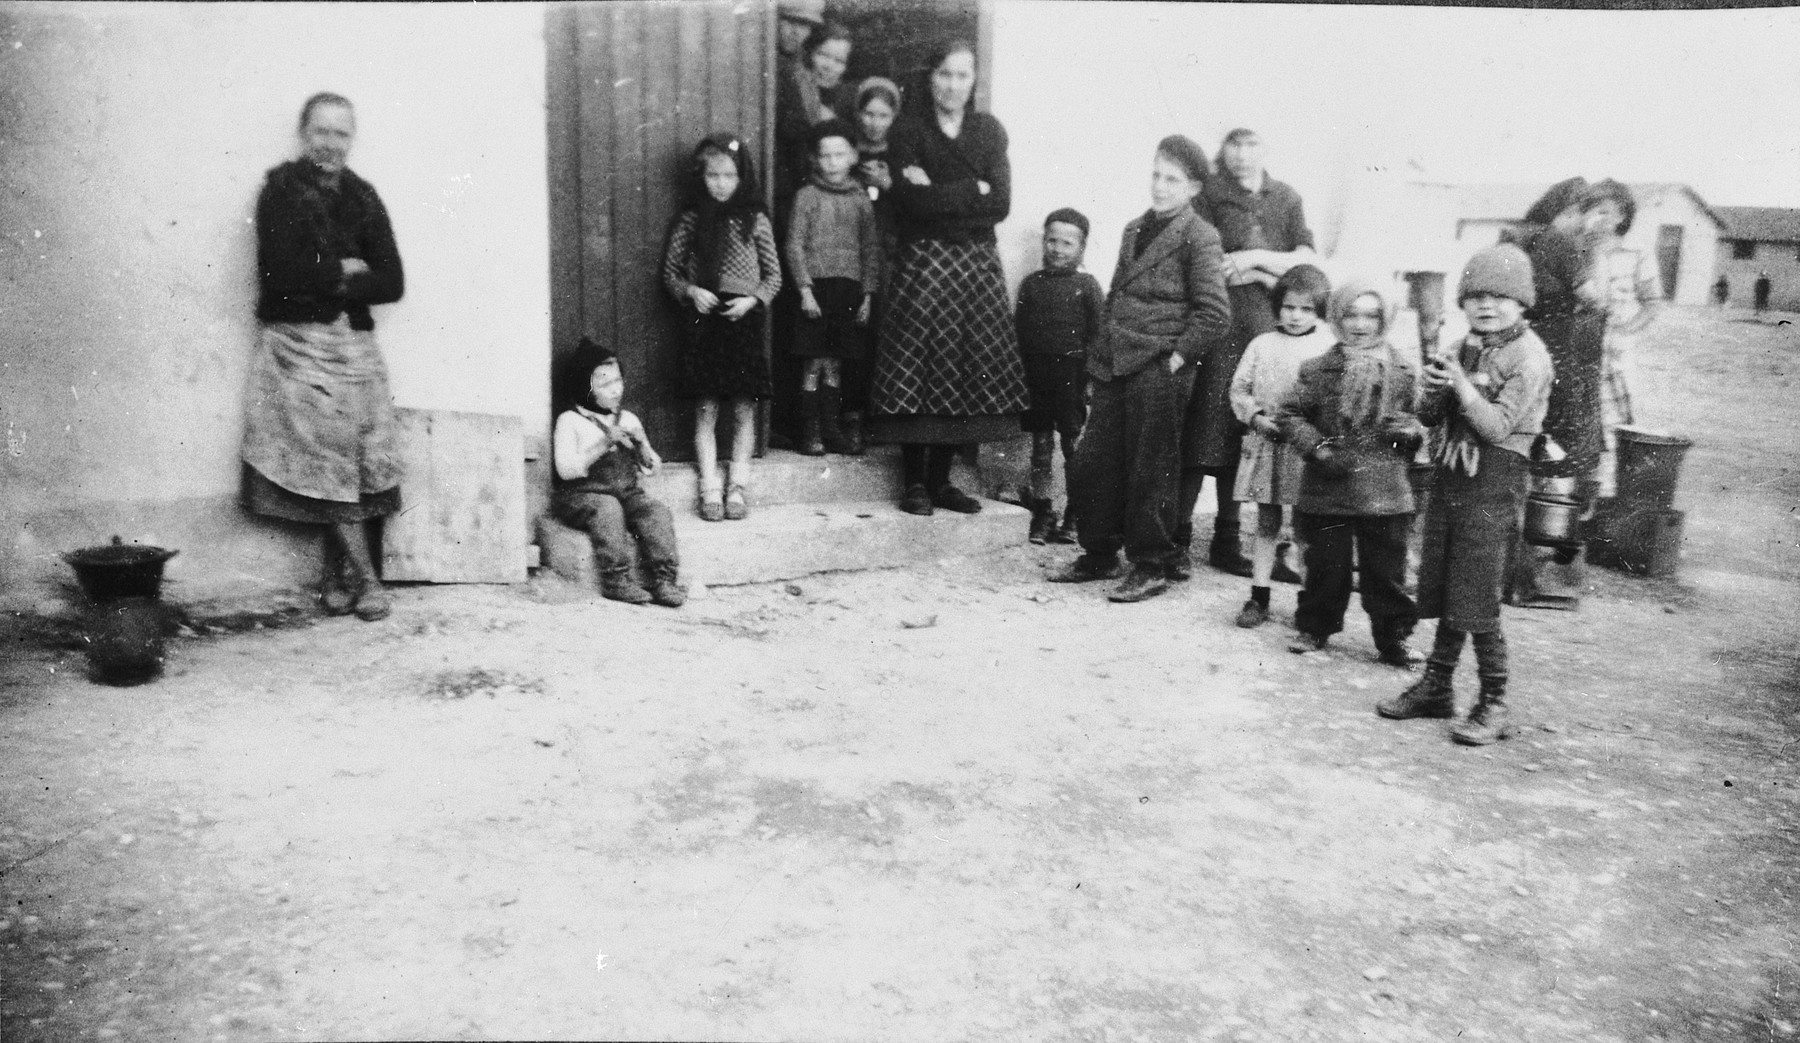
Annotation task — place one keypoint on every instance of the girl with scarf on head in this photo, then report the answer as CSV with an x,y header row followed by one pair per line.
x,y
1490,395
1351,418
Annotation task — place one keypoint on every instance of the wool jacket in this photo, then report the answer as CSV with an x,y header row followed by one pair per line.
x,y
1169,298
1059,312
750,269
832,235
305,229
1512,393
952,208
1373,471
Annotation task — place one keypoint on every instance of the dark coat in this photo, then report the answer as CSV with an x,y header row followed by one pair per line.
x,y
953,207
1370,473
1170,297
304,231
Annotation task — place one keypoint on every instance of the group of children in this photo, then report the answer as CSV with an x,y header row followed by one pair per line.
x,y
1334,413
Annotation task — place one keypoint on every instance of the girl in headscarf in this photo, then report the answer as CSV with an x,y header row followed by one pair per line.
x,y
1352,418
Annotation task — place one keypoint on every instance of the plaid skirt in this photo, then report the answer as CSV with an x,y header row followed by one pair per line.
x,y
948,344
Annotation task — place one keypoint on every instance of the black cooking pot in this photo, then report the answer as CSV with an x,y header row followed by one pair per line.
x,y
120,570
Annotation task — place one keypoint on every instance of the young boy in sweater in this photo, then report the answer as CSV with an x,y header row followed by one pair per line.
x,y
1491,393
1059,314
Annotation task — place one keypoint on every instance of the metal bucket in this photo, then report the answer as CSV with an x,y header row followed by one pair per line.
x,y
1649,467
1552,521
120,570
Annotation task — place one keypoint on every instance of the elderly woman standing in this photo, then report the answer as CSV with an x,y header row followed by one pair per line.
x,y
1262,225
948,370
320,441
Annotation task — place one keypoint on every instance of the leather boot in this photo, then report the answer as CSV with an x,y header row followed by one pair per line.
x,y
666,588
812,441
1488,722
622,585
1042,519
1064,531
830,429
1432,695
851,424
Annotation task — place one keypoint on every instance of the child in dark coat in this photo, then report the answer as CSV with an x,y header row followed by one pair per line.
x,y
1059,315
1491,395
1351,418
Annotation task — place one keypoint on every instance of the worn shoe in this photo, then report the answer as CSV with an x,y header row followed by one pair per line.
x,y
1086,569
337,594
1304,643
623,586
1252,615
852,426
736,507
836,438
1064,531
1181,565
1043,519
1430,696
950,498
1140,584
916,501
812,439
1487,723
1228,558
1400,654
712,505
667,590
373,602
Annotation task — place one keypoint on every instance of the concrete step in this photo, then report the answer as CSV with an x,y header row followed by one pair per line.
x,y
785,477
790,540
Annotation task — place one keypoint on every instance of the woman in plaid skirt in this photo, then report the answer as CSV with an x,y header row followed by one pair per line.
x,y
948,372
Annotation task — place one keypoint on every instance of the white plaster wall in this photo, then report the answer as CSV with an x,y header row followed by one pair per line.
x,y
135,138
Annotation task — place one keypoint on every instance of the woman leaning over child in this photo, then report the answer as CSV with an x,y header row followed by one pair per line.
x,y
1268,470
722,266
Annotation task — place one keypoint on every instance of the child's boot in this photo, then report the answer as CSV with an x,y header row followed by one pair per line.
x,y
1064,531
1283,572
666,588
812,442
1489,721
1042,519
1432,695
852,426
831,430
619,584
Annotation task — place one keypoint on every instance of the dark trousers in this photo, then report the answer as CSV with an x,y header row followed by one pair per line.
x,y
1336,545
1227,530
1127,465
610,520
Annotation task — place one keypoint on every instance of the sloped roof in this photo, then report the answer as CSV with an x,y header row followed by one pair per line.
x,y
1508,202
1763,224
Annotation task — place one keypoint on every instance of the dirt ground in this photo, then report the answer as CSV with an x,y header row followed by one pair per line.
x,y
952,802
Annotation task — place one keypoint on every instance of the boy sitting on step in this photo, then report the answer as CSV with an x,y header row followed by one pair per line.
x,y
600,451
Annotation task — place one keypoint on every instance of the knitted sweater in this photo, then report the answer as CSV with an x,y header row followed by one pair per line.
x,y
952,208
832,235
1059,313
750,269
305,229
1512,385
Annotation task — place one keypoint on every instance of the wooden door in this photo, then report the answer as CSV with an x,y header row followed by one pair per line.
x,y
633,86
1668,257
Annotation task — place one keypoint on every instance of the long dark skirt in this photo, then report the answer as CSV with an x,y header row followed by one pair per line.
x,y
1469,524
948,368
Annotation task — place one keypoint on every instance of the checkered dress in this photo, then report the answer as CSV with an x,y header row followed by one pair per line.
x,y
948,343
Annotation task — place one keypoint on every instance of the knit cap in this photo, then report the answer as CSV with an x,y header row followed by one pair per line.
x,y
1503,271
1068,215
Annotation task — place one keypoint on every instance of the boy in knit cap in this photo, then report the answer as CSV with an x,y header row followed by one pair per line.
x,y
1059,314
1491,394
